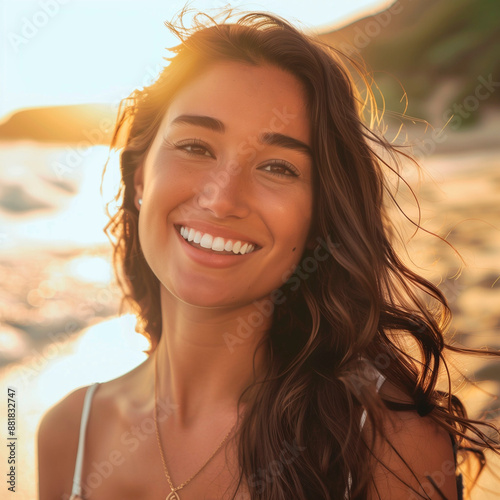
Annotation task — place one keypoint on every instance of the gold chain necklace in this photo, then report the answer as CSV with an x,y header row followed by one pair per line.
x,y
173,495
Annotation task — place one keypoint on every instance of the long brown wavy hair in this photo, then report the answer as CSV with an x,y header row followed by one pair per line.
x,y
359,308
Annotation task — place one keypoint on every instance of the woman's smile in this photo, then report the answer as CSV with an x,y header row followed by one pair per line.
x,y
209,257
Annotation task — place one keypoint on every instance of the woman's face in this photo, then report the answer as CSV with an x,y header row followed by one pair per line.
x,y
230,167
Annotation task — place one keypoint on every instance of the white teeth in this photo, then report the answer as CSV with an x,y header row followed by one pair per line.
x,y
217,243
206,241
236,247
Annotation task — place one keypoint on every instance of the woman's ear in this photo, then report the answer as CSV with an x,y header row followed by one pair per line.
x,y
138,185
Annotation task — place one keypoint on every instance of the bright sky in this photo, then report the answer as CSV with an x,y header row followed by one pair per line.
x,y
77,51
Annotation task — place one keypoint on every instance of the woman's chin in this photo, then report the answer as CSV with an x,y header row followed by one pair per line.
x,y
203,296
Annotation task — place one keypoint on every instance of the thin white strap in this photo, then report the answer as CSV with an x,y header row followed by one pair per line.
x,y
77,478
378,385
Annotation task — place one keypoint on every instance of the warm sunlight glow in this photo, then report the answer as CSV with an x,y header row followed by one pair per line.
x,y
90,269
102,352
50,56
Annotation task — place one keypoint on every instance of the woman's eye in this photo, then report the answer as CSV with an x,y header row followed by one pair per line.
x,y
281,168
195,148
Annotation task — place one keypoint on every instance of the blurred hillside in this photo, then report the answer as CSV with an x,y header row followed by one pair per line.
x,y
91,123
440,51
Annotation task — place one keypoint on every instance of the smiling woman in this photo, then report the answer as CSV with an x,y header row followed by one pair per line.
x,y
292,354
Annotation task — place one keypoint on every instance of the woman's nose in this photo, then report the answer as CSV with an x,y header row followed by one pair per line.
x,y
223,192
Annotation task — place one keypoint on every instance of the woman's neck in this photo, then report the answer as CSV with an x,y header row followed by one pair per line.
x,y
206,355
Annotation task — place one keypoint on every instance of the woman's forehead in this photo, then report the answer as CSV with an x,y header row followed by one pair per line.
x,y
241,95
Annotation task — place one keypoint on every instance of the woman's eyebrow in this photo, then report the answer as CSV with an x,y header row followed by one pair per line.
x,y
200,121
285,141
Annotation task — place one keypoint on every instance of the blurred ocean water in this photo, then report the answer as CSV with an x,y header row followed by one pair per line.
x,y
59,328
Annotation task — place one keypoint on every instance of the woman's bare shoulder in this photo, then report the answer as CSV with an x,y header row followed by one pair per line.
x,y
57,443
65,415
61,420
416,458
59,429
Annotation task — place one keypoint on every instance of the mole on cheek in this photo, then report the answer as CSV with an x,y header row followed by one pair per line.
x,y
294,248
